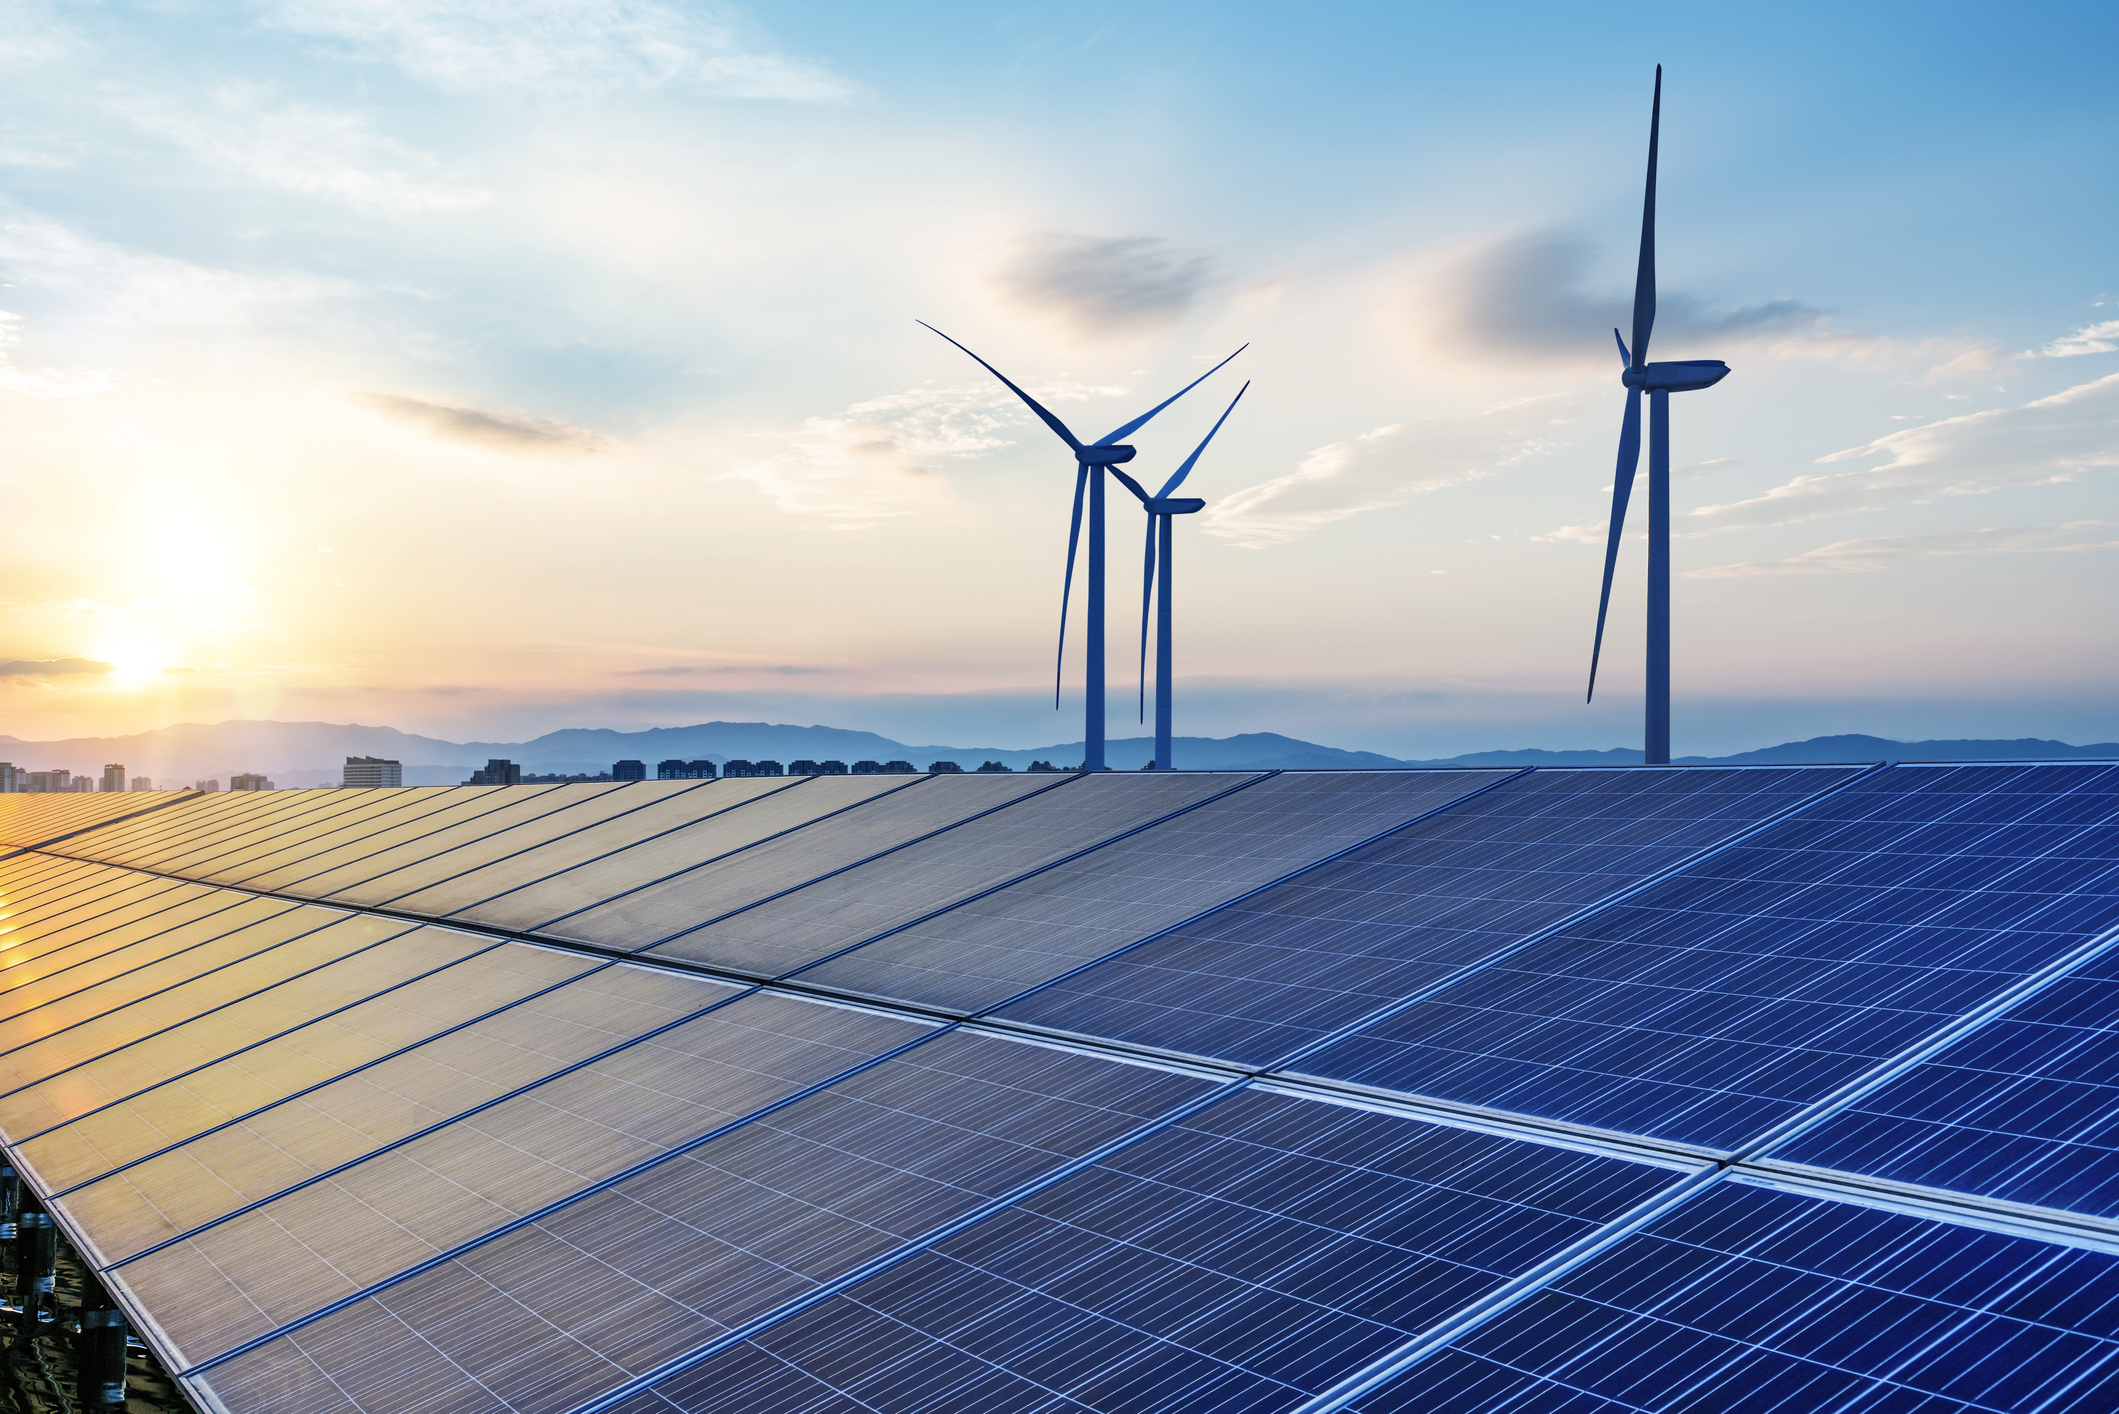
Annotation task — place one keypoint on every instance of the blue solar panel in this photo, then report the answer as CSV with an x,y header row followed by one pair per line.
x,y
1726,999
1240,1260
1746,1301
1261,978
2025,1109
612,1286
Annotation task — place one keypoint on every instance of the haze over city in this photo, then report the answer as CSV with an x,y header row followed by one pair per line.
x,y
484,370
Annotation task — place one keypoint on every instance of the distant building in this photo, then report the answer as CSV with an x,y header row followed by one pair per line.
x,y
498,771
246,781
684,770
944,768
12,778
559,780
372,772
991,767
900,768
817,768
740,767
113,778
214,784
884,768
84,783
629,771
50,781
143,782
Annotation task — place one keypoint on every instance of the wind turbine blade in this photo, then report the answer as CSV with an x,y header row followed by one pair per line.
x,y
1621,488
1147,595
1130,484
1074,538
1142,421
1035,406
1185,470
1644,277
1624,357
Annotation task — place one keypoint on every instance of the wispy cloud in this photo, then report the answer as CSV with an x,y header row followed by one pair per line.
x,y
499,432
53,667
687,670
1390,466
2054,439
1099,285
317,152
1871,556
874,460
121,285
44,382
2096,338
564,47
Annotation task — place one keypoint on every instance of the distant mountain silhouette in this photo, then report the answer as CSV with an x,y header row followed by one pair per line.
x,y
309,753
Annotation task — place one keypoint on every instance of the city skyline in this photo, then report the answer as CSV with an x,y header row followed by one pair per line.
x,y
482,373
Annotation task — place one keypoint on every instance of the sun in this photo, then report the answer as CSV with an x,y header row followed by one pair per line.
x,y
133,666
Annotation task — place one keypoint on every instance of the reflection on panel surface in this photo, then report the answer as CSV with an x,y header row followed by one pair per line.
x,y
785,933
1245,1259
1255,981
1748,1301
652,913
615,1284
329,1239
475,883
1725,999
2024,1109
993,947
294,856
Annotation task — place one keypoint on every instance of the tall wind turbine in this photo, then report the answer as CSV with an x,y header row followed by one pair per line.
x,y
1160,508
1090,460
1659,381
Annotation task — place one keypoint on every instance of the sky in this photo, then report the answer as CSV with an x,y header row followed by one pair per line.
x,y
482,369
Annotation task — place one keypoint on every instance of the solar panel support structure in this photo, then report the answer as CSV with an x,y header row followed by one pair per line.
x,y
36,1254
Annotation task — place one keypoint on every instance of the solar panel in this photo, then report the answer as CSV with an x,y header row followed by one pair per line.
x,y
293,855
787,932
611,1286
1722,1001
658,909
1270,974
1748,1300
983,952
2025,1109
125,937
344,1230
37,819
1241,1259
248,817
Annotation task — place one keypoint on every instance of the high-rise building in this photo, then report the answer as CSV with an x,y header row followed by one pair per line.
x,y
143,782
372,772
498,771
113,778
214,784
83,783
629,771
13,778
674,770
50,781
249,781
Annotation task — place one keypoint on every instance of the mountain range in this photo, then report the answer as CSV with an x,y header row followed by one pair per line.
x,y
310,753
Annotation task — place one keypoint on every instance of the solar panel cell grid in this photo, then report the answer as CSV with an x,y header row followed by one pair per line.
x,y
2025,1109
249,816
43,944
170,1193
981,953
788,932
1264,977
33,820
295,855
123,939
609,1287
238,858
457,892
332,1238
174,1111
115,843
1748,1301
401,868
1242,1259
658,910
1724,1000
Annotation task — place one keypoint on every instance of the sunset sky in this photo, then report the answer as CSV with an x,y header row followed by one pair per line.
x,y
483,368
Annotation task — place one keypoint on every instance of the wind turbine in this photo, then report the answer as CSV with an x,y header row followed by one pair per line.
x,y
1659,381
1160,508
1090,460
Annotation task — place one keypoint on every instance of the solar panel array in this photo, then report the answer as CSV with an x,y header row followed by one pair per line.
x,y
1769,1088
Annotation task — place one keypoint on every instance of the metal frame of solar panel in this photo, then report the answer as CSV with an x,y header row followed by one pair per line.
x,y
1644,1089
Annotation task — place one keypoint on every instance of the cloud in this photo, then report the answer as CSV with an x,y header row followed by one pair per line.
x,y
44,382
2054,439
313,151
136,288
494,431
1390,466
568,48
1104,286
1870,556
52,667
2089,339
779,669
873,461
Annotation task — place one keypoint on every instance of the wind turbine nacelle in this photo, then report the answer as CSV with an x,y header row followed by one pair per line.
x,y
1104,456
1175,505
1681,376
